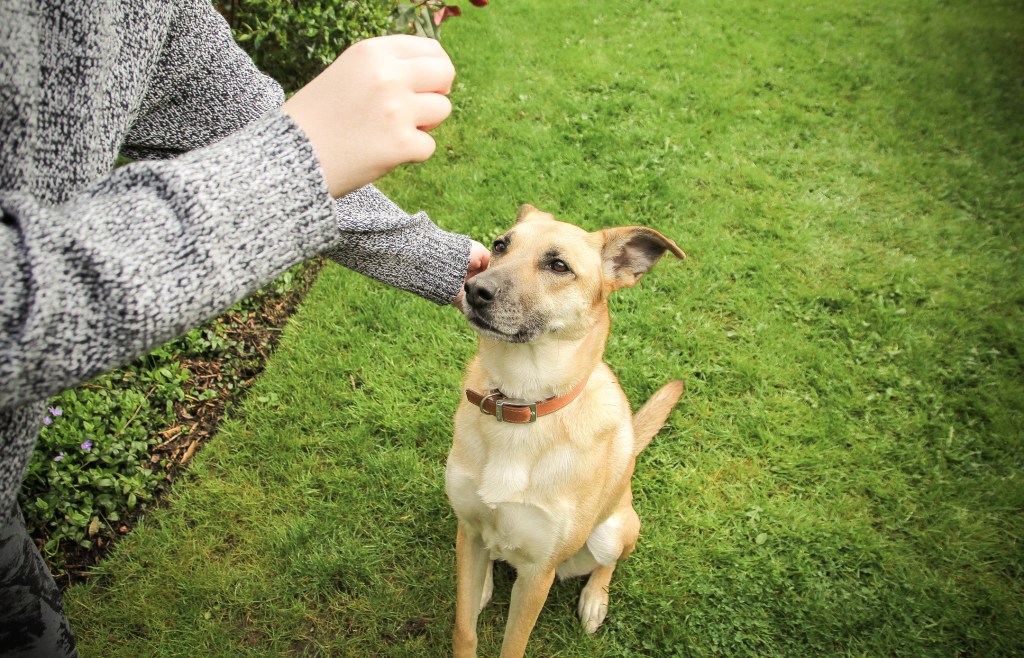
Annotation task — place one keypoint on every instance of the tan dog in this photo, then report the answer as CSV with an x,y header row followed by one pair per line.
x,y
545,486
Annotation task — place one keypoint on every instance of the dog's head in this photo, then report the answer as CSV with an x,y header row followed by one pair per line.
x,y
551,278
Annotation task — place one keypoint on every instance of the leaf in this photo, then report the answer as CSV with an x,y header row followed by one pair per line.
x,y
94,526
761,538
446,12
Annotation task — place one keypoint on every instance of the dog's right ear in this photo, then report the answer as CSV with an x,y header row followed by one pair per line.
x,y
529,213
631,251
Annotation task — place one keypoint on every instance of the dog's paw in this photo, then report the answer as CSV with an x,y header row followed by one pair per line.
x,y
593,607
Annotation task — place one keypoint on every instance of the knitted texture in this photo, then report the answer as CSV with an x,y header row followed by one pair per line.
x,y
103,265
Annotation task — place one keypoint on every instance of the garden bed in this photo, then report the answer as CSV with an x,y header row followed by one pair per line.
x,y
110,447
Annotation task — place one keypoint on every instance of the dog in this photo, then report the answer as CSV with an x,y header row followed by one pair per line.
x,y
541,478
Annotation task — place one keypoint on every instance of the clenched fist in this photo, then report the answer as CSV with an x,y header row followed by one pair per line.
x,y
370,110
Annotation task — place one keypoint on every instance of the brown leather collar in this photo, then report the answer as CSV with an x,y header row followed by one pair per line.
x,y
494,404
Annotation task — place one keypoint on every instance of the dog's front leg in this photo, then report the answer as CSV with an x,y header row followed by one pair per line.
x,y
528,596
472,562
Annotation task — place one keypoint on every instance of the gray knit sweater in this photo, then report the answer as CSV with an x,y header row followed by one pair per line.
x,y
102,265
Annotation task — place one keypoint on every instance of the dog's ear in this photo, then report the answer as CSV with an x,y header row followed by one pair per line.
x,y
631,251
529,213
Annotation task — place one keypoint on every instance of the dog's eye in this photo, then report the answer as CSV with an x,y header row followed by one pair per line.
x,y
499,246
559,266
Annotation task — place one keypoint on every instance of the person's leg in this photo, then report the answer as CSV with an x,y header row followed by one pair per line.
x,y
32,620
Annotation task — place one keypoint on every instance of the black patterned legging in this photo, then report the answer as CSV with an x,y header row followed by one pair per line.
x,y
32,620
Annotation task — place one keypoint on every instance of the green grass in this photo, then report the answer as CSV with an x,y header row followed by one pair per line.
x,y
844,474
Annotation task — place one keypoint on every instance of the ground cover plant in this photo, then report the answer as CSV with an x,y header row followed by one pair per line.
x,y
843,475
107,449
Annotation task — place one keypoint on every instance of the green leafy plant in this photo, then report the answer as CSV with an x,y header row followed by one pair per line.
x,y
293,41
92,464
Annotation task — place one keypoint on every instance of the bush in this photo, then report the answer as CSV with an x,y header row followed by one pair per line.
x,y
293,41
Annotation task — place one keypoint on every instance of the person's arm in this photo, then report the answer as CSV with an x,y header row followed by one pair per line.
x,y
202,88
205,87
150,251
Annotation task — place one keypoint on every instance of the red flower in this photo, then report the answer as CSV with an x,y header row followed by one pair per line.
x,y
478,3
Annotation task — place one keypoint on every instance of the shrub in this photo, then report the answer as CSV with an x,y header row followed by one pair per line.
x,y
92,460
293,41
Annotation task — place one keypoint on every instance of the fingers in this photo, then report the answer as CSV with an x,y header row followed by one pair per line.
x,y
409,45
424,64
420,147
369,111
480,259
429,74
430,110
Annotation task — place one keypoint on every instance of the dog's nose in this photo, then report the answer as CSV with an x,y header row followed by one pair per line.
x,y
480,293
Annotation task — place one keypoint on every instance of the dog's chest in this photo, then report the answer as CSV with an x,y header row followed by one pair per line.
x,y
513,497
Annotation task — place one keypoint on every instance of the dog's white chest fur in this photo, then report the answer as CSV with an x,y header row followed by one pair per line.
x,y
511,493
518,484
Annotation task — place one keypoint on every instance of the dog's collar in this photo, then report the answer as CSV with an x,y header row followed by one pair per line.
x,y
495,404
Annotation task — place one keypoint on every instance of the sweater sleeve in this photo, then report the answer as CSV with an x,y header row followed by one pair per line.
x,y
202,88
380,240
151,250
206,87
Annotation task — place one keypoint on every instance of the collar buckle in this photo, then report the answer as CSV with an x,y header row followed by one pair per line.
x,y
499,410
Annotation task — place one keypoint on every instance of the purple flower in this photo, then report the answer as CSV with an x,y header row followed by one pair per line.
x,y
59,457
47,420
56,411
86,445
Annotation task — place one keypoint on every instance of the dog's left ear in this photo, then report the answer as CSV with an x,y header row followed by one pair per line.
x,y
631,251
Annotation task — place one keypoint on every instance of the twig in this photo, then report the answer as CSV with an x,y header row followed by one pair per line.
x,y
174,433
190,452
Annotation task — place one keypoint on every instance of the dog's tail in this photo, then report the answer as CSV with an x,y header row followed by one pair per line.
x,y
654,413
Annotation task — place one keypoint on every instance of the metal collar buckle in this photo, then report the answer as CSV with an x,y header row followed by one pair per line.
x,y
499,406
499,410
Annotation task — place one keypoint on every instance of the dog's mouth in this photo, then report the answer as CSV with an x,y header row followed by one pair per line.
x,y
490,331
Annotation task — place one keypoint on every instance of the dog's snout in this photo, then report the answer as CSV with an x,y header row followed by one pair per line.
x,y
480,292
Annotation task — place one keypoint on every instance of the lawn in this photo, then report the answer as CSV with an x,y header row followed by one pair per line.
x,y
843,475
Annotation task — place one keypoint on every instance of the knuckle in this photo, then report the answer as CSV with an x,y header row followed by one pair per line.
x,y
392,109
444,106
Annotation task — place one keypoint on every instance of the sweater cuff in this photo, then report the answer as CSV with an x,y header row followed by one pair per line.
x,y
378,239
442,263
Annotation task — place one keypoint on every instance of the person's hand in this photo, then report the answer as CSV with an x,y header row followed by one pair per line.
x,y
479,259
369,111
